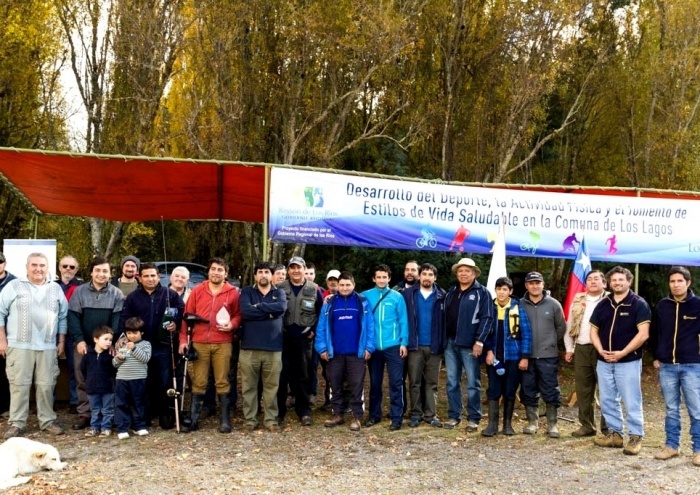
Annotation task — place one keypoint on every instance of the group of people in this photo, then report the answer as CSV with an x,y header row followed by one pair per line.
x,y
275,332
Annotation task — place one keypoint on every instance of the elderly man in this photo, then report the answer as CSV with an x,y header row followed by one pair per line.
x,y
179,278
93,304
32,314
619,328
674,337
468,321
580,350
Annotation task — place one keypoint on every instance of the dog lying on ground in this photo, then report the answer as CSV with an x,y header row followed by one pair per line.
x,y
19,456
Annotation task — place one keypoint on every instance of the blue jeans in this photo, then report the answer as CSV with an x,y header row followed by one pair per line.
x,y
621,381
101,410
674,379
458,359
394,366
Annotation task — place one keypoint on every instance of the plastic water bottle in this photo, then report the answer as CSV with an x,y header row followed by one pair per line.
x,y
498,366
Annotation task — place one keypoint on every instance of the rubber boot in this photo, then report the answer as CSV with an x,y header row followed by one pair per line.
x,y
508,407
532,418
552,429
224,414
492,428
195,411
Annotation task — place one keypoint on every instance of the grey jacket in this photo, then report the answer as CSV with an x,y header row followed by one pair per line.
x,y
548,325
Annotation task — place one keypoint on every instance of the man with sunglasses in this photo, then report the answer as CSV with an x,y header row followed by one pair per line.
x,y
68,268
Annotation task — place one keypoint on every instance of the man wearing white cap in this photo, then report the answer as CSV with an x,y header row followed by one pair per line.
x,y
468,321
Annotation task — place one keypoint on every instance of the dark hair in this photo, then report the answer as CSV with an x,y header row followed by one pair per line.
x,y
135,324
410,261
218,261
100,331
98,260
310,265
427,266
602,275
620,269
346,276
681,270
148,266
277,267
504,281
381,268
264,265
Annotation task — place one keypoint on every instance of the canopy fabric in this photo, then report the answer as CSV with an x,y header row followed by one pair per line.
x,y
136,189
131,189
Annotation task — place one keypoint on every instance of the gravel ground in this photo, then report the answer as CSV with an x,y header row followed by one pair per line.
x,y
315,459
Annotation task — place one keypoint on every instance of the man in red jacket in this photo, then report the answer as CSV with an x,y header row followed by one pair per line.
x,y
214,300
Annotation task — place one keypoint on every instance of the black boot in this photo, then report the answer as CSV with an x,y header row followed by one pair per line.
x,y
492,428
508,407
195,411
224,414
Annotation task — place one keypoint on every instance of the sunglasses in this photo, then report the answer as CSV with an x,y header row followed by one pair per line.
x,y
72,267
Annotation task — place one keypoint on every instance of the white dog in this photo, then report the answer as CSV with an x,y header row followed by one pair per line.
x,y
20,455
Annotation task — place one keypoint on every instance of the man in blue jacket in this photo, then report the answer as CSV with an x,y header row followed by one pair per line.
x,y
468,322
674,340
345,340
426,343
391,331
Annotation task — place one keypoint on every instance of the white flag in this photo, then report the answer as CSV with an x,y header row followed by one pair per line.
x,y
498,261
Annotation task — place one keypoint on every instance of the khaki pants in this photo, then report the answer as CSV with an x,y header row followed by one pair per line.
x,y
219,357
22,366
253,365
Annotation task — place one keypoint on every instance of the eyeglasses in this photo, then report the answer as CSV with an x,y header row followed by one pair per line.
x,y
72,267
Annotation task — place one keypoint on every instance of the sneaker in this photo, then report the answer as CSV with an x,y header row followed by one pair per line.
x,y
583,432
250,426
273,428
55,429
451,423
435,423
634,445
612,439
82,424
414,423
123,436
472,427
371,422
394,426
666,453
13,431
91,433
306,421
355,425
106,433
142,432
696,459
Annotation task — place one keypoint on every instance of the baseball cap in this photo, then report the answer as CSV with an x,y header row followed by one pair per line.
x,y
296,260
534,277
333,274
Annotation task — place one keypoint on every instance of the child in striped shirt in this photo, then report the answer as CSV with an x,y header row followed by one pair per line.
x,y
131,361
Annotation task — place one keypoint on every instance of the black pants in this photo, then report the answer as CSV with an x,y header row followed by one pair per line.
x,y
296,355
353,368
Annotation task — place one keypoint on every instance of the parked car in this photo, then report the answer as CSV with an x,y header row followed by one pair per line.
x,y
198,273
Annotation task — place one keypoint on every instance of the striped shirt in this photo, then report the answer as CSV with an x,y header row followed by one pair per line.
x,y
135,366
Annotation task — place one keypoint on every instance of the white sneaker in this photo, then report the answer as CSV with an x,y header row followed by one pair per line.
x,y
123,436
142,433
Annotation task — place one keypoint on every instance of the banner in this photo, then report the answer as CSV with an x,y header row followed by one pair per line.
x,y
334,209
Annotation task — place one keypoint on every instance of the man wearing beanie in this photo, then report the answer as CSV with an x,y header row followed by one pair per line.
x,y
128,282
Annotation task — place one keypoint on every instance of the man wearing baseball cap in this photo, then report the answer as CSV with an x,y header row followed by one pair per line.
x,y
468,322
541,377
303,307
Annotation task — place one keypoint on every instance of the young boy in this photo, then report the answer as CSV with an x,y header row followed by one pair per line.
x,y
510,343
99,373
131,362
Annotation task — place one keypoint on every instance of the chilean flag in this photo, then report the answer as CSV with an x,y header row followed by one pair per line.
x,y
577,279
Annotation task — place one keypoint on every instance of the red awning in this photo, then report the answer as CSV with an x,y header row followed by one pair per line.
x,y
136,189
